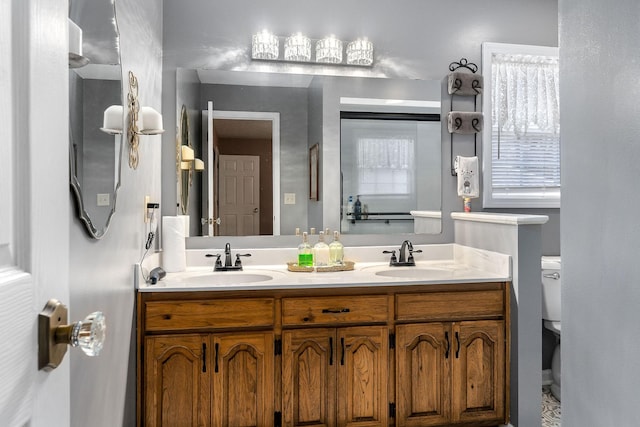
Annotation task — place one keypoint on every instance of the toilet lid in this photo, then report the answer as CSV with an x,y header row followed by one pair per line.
x,y
552,326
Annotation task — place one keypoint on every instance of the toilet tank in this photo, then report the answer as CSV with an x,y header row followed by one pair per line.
x,y
551,282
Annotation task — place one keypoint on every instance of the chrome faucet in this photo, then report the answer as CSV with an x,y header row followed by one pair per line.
x,y
228,265
405,258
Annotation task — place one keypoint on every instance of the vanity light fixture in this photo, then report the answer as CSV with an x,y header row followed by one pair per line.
x,y
329,50
265,45
360,52
297,48
142,121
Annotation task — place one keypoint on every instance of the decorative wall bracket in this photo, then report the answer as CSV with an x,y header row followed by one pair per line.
x,y
142,121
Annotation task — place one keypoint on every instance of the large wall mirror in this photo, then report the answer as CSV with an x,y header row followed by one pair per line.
x,y
95,115
277,119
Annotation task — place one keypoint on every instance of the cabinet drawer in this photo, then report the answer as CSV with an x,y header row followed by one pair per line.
x,y
207,314
334,310
450,305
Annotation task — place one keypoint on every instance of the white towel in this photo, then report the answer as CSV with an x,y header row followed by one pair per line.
x,y
468,182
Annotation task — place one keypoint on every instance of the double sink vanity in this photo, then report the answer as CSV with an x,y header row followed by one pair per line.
x,y
426,345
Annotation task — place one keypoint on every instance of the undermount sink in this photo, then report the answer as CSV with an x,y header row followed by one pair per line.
x,y
415,272
226,278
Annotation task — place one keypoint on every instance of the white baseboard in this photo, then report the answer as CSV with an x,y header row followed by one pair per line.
x,y
547,377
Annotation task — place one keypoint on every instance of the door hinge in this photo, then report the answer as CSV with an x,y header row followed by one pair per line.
x,y
392,341
277,347
392,410
277,419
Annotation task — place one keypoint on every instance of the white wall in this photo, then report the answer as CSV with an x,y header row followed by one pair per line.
x,y
600,90
101,272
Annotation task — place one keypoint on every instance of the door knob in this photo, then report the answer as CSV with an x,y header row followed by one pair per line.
x,y
255,210
54,334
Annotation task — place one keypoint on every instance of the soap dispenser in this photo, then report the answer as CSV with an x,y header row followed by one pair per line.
x,y
305,253
321,252
336,250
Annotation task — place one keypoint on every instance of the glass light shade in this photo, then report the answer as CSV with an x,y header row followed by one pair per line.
x,y
360,52
151,121
297,48
90,334
329,50
186,153
199,165
112,120
265,45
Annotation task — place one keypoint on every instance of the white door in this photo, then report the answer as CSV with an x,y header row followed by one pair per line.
x,y
239,195
35,207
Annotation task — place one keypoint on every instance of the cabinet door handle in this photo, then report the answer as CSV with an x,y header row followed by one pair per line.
x,y
458,349
335,310
342,357
446,352
330,350
204,357
215,368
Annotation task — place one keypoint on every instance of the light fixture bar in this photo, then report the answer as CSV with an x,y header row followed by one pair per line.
x,y
301,49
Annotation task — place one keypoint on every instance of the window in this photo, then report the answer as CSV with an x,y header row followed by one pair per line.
x,y
385,165
522,144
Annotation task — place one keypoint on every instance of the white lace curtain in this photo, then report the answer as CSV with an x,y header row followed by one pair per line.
x,y
526,93
385,153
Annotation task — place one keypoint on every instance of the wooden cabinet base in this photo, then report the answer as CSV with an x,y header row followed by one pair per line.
x,y
325,357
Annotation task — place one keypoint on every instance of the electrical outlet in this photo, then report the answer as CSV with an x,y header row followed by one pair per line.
x,y
289,198
102,199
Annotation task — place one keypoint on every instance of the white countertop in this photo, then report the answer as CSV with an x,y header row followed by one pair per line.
x,y
438,264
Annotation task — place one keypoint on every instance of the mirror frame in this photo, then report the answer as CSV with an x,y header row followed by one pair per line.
x,y
184,176
83,215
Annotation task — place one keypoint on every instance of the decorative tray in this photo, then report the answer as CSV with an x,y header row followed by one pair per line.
x,y
293,266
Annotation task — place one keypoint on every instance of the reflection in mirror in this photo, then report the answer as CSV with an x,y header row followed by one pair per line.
x,y
95,102
390,167
184,154
308,107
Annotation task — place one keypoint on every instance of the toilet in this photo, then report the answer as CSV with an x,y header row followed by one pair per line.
x,y
551,281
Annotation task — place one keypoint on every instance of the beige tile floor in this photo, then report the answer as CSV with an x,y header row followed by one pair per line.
x,y
550,409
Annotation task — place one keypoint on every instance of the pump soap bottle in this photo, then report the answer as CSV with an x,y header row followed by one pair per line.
x,y
305,253
336,250
321,252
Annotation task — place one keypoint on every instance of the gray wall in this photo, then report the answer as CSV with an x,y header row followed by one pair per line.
x,y
600,234
101,271
426,38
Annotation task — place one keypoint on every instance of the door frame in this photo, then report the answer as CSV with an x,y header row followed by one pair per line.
x,y
275,153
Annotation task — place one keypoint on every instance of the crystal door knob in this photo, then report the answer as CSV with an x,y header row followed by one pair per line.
x,y
54,334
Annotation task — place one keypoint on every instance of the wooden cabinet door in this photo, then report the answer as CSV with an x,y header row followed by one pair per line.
x,y
423,379
363,376
309,377
177,381
478,371
243,370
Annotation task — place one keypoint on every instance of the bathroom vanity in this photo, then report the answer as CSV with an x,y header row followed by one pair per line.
x,y
356,348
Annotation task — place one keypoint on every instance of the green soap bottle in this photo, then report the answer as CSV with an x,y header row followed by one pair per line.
x,y
305,252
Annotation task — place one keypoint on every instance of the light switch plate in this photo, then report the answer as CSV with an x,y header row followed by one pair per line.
x,y
289,198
